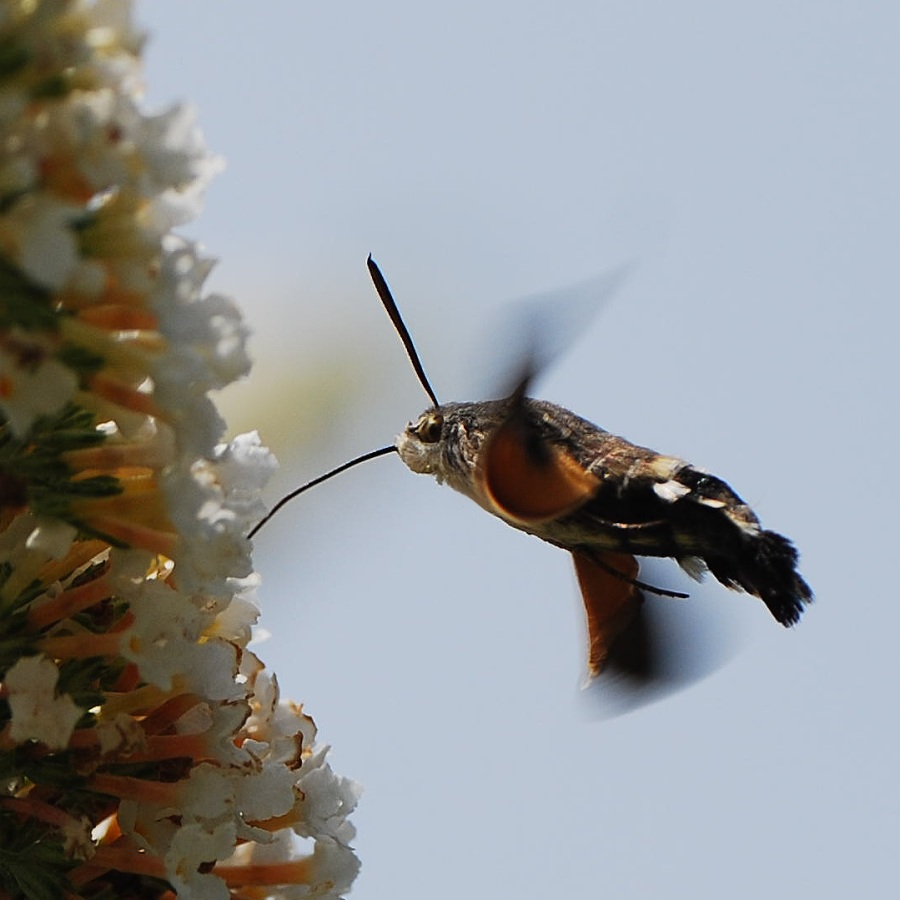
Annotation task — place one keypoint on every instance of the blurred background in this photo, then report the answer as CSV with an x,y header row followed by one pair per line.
x,y
744,159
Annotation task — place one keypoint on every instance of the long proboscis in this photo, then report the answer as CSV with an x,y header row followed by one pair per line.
x,y
373,454
390,306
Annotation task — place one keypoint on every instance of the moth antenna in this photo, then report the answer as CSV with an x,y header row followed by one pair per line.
x,y
383,451
660,592
387,300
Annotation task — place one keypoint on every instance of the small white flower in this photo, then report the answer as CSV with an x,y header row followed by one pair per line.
x,y
332,868
206,335
174,152
286,733
29,390
214,505
208,794
193,846
211,670
328,800
244,467
235,621
37,234
335,867
266,794
14,549
218,724
37,713
121,733
52,537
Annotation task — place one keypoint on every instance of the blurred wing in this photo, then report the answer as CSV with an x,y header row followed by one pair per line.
x,y
543,327
611,604
526,478
667,647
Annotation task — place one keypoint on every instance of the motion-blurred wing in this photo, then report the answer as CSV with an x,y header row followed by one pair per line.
x,y
611,603
525,477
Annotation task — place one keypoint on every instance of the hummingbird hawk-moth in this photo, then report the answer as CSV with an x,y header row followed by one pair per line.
x,y
546,471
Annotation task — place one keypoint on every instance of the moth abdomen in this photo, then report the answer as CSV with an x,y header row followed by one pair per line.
x,y
765,566
739,553
693,517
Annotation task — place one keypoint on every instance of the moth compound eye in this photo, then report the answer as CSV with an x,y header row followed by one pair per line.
x,y
428,428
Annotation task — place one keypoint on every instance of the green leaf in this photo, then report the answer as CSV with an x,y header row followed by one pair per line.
x,y
13,57
22,302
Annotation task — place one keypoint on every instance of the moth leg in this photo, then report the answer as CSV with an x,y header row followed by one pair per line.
x,y
629,526
601,560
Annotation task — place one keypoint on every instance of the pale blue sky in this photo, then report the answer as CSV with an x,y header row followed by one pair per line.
x,y
746,157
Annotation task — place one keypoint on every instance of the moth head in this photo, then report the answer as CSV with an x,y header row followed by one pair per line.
x,y
428,428
445,442
420,445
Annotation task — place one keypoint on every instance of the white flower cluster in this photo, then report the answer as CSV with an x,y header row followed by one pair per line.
x,y
126,583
